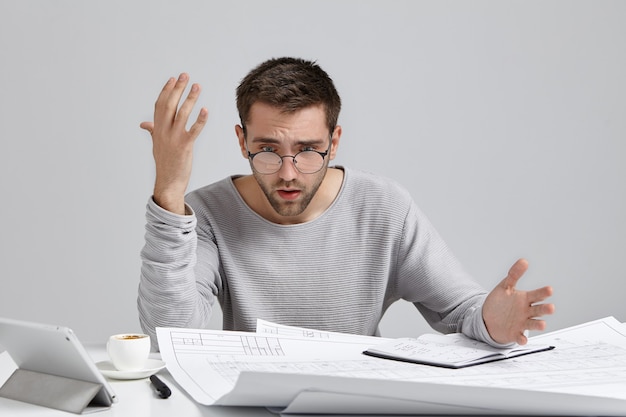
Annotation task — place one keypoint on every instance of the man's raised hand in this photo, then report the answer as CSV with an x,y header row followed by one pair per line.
x,y
172,143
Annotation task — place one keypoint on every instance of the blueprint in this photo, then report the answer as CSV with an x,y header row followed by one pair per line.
x,y
282,366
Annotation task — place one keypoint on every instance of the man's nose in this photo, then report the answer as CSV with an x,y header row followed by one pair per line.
x,y
288,171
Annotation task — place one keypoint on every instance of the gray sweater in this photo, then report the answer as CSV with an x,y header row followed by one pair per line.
x,y
339,272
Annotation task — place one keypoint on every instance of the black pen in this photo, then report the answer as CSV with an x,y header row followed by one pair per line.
x,y
164,391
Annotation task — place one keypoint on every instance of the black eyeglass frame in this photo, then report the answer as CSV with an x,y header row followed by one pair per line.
x,y
293,158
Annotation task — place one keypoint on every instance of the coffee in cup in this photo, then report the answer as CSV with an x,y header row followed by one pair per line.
x,y
129,351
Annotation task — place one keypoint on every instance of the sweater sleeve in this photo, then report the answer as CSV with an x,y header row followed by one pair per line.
x,y
169,294
431,277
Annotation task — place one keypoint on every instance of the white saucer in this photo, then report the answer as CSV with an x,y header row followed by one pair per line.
x,y
152,367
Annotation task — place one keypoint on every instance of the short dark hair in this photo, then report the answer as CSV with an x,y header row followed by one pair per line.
x,y
290,84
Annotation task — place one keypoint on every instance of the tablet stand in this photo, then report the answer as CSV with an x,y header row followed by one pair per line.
x,y
52,391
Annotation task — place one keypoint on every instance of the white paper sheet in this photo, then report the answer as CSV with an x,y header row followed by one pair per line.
x,y
274,367
269,328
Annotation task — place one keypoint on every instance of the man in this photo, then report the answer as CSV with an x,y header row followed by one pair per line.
x,y
300,242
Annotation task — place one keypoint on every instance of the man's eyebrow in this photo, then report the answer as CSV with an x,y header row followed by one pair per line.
x,y
265,140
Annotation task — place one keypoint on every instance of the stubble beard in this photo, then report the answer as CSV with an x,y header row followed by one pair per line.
x,y
290,208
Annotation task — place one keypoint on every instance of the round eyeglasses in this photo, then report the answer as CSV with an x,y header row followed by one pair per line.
x,y
306,162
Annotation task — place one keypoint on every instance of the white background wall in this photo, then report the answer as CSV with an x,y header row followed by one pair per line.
x,y
505,120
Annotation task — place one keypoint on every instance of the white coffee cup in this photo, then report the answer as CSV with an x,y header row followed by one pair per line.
x,y
129,351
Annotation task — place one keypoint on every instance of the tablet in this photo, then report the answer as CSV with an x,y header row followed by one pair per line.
x,y
53,350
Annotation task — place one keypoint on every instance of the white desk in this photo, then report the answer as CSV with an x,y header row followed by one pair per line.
x,y
137,398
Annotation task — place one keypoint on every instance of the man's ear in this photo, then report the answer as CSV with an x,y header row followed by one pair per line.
x,y
334,142
242,141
